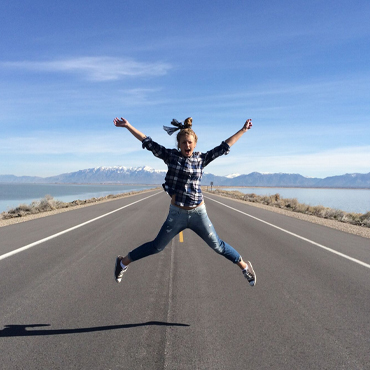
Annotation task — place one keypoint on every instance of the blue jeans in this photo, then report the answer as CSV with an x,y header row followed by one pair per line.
x,y
179,219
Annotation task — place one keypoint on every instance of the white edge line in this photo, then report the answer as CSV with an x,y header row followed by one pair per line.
x,y
296,235
6,255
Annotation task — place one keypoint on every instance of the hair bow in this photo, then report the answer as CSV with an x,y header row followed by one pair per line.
x,y
178,126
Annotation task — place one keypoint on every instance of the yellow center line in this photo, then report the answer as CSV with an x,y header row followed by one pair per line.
x,y
181,237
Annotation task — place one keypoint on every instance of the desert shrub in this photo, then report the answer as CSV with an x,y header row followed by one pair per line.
x,y
335,214
365,219
292,204
251,197
275,200
357,219
301,208
265,199
48,203
21,210
319,211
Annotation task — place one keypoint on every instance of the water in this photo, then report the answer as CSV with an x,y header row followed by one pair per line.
x,y
12,195
348,200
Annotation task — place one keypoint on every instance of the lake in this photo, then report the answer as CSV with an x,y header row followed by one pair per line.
x,y
348,200
12,195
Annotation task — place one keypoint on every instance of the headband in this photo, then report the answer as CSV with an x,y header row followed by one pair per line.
x,y
178,126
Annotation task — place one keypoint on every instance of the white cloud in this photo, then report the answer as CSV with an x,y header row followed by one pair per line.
x,y
59,143
95,68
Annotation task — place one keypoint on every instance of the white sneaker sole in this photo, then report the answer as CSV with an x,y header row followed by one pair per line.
x,y
250,268
118,280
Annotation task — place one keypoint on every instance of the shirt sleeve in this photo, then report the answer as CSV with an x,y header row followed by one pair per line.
x,y
212,154
158,150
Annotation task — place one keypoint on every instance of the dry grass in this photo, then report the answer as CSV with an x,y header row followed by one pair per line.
x,y
48,203
293,205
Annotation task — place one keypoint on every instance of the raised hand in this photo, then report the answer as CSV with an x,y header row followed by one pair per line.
x,y
247,124
120,122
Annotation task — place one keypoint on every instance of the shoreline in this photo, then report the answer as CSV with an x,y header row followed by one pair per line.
x,y
286,187
70,206
362,231
214,186
335,224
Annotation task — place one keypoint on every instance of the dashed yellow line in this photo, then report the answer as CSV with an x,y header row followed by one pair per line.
x,y
181,237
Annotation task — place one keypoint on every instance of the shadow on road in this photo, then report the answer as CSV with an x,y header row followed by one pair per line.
x,y
21,330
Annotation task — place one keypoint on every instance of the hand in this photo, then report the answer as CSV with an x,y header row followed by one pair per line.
x,y
247,124
120,122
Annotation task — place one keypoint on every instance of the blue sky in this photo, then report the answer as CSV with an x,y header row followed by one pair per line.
x,y
299,69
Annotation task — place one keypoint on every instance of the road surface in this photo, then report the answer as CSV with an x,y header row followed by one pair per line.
x,y
187,307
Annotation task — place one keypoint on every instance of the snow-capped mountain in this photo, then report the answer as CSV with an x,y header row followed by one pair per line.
x,y
116,174
148,175
232,175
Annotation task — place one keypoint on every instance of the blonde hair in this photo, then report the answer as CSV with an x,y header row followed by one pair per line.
x,y
188,123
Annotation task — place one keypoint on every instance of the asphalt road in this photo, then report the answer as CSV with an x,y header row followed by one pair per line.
x,y
187,307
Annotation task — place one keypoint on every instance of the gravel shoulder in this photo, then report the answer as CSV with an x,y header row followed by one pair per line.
x,y
89,203
345,227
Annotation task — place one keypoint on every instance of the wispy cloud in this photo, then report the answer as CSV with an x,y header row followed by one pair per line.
x,y
95,68
63,143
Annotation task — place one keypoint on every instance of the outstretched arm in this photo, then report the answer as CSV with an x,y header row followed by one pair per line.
x,y
124,123
233,139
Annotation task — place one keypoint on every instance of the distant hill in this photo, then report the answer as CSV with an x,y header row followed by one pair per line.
x,y
355,180
147,175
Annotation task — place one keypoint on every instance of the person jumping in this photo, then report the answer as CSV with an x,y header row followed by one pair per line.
x,y
182,183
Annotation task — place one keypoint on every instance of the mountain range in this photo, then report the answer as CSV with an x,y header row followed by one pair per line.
x,y
147,175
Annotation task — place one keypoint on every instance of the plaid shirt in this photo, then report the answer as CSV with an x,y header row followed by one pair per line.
x,y
184,174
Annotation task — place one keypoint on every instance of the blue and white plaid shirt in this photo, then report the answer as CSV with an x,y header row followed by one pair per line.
x,y
184,174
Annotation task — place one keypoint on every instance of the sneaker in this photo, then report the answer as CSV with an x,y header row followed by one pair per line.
x,y
249,274
118,270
